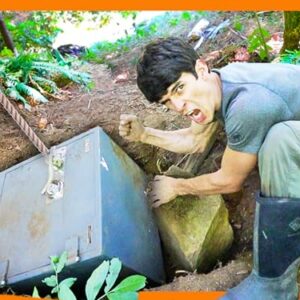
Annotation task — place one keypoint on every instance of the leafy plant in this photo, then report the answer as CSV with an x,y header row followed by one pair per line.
x,y
5,52
257,41
127,14
107,273
237,24
291,57
174,21
38,31
186,16
30,80
63,288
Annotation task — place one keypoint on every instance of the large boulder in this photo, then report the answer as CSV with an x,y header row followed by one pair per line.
x,y
195,231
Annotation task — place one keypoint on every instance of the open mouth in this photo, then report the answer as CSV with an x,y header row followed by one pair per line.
x,y
196,115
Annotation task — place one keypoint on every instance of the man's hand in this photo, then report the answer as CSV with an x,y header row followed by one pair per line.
x,y
163,190
131,128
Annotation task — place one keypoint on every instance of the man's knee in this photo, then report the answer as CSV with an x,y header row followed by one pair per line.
x,y
277,143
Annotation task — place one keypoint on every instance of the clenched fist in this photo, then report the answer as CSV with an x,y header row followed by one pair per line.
x,y
131,128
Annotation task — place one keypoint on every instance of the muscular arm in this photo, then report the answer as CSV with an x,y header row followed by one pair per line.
x,y
188,140
235,168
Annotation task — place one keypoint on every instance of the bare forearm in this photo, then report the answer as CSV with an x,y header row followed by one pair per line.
x,y
188,140
179,141
208,184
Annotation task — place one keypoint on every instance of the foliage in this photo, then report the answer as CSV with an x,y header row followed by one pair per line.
x,y
291,57
38,31
126,14
238,24
107,273
144,31
29,79
256,42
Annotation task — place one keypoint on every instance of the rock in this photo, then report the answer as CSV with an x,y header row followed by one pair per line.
x,y
195,231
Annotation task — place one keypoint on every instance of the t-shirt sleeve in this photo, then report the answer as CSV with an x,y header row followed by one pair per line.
x,y
250,117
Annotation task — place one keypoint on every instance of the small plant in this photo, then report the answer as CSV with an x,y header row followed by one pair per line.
x,y
291,57
186,16
237,24
173,22
257,41
107,273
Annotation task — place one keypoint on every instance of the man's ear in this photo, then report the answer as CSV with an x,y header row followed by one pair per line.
x,y
201,68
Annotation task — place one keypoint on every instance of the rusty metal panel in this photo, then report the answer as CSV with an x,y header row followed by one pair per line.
x,y
102,213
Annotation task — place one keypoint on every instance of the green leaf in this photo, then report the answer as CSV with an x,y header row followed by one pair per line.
x,y
14,94
50,69
114,270
65,293
153,28
68,282
50,281
29,91
173,22
238,26
6,52
123,296
186,16
96,280
47,84
62,261
54,260
131,284
35,293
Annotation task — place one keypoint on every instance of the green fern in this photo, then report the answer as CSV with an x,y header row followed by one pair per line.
x,y
78,77
47,84
291,57
10,81
21,64
26,78
30,92
14,94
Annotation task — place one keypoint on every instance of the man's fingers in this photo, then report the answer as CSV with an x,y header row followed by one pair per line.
x,y
127,118
125,123
123,133
122,128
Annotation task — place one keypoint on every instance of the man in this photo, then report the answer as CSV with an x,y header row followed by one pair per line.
x,y
259,106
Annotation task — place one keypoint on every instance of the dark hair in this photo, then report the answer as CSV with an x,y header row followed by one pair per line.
x,y
162,63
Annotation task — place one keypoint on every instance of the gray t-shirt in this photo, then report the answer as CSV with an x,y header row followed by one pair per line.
x,y
255,97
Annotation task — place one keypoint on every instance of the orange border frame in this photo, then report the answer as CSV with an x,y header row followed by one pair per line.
x,y
154,295
150,5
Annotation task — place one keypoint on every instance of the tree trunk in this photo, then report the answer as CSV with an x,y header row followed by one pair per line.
x,y
291,31
6,35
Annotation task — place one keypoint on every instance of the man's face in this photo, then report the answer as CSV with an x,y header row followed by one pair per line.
x,y
197,98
